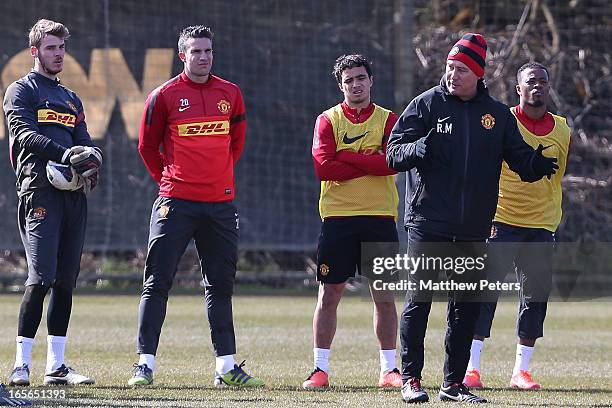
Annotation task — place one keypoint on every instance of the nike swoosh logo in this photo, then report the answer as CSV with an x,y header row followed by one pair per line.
x,y
349,140
442,120
184,108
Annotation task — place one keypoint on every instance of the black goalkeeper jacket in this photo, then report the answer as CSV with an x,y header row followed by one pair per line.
x,y
44,119
456,185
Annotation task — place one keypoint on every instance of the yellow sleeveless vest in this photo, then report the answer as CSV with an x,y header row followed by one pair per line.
x,y
367,195
535,205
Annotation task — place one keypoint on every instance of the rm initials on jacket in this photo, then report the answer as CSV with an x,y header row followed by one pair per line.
x,y
444,127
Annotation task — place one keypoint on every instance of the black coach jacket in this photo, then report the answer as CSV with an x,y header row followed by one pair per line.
x,y
456,185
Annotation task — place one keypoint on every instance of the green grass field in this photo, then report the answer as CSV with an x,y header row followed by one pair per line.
x,y
573,361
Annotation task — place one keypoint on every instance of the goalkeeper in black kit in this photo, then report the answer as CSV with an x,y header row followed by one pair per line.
x,y
56,164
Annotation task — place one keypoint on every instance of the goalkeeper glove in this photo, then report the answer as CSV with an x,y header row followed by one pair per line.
x,y
90,182
86,160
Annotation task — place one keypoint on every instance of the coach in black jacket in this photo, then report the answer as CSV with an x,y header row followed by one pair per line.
x,y
455,136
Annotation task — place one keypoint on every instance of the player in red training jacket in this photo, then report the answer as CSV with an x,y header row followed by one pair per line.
x,y
191,136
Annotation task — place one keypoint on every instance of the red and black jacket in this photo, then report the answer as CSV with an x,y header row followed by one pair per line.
x,y
191,136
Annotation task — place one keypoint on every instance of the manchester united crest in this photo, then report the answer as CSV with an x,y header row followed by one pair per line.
x,y
224,106
71,106
488,121
163,211
39,213
324,270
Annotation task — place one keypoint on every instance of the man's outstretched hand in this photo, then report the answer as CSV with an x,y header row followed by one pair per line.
x,y
542,165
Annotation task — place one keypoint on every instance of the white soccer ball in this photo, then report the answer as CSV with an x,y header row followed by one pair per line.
x,y
63,177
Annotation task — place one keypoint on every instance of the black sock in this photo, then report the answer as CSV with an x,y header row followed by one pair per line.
x,y
31,310
447,384
60,307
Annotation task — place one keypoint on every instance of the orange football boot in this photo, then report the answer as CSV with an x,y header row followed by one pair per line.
x,y
472,379
391,378
523,380
316,380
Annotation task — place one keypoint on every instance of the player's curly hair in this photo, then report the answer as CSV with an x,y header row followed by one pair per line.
x,y
530,65
44,27
197,31
350,61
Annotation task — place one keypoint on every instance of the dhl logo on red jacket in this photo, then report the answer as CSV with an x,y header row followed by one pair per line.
x,y
214,126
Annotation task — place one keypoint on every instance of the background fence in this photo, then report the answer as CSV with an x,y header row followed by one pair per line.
x,y
281,53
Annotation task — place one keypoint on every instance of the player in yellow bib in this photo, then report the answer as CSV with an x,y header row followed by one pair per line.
x,y
358,204
523,232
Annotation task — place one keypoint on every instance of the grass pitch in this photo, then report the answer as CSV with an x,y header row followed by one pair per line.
x,y
573,362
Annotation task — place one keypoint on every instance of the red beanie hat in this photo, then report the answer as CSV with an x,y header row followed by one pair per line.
x,y
471,49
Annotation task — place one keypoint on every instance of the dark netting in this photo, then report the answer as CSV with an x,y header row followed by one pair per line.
x,y
280,53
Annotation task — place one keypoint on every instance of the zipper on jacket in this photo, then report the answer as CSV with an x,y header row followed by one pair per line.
x,y
465,163
417,193
203,99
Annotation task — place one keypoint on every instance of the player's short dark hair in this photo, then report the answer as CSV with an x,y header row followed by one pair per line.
x,y
350,61
530,65
197,31
44,27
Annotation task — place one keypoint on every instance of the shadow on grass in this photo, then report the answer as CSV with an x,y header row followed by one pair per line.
x,y
121,396
337,388
112,396
557,405
553,390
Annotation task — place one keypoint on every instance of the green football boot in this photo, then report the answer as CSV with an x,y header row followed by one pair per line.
x,y
237,378
143,375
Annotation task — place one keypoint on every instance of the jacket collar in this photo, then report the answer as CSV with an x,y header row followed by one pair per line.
x,y
539,127
186,79
41,77
355,117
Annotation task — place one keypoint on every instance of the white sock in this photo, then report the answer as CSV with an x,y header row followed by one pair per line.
x,y
224,364
387,360
24,351
523,355
148,359
475,351
321,358
55,352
